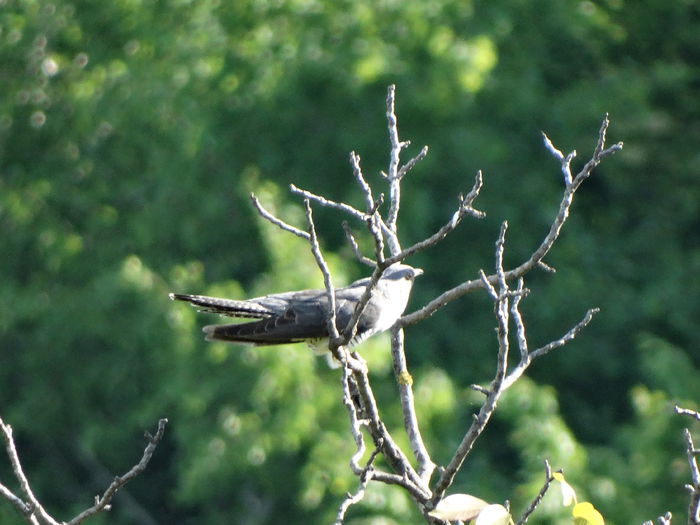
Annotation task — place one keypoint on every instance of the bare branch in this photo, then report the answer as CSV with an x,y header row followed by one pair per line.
x,y
465,208
355,422
538,255
32,509
518,320
687,412
329,203
544,266
330,290
26,510
351,499
526,359
277,222
355,247
694,489
538,499
374,221
392,453
501,298
35,513
380,434
102,503
405,383
502,313
358,396
411,163
393,175
565,160
568,336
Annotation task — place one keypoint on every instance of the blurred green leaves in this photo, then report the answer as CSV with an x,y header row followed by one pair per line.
x,y
131,134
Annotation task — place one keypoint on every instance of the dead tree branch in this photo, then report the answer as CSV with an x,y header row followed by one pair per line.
x,y
692,454
31,508
571,185
506,310
357,394
548,478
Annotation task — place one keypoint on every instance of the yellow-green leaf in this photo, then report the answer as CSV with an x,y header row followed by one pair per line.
x,y
585,513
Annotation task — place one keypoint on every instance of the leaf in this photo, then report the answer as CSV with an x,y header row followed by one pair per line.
x,y
568,494
493,515
461,507
585,513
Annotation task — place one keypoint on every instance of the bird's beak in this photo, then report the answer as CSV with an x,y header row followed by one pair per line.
x,y
417,272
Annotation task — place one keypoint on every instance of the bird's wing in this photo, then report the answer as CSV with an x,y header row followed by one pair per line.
x,y
303,319
346,302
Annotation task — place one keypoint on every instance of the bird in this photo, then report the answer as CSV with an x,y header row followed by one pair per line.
x,y
301,316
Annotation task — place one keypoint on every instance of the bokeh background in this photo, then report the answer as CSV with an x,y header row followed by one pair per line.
x,y
133,131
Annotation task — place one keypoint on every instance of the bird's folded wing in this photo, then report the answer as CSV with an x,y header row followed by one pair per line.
x,y
302,320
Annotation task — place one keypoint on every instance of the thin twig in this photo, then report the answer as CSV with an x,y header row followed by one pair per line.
x,y
411,163
687,412
568,336
32,508
392,453
501,298
538,255
277,222
375,224
538,499
102,502
329,203
518,320
526,359
502,313
359,177
393,174
405,383
35,513
694,489
351,499
355,247
465,208
355,422
330,290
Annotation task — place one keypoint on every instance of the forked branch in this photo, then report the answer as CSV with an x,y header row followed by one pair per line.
x,y
358,397
29,505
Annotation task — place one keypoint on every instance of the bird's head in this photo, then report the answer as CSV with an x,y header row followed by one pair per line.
x,y
398,272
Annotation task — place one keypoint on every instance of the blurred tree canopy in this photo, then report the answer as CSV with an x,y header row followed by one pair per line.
x,y
132,132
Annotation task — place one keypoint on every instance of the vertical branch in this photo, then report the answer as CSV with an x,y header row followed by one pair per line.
x,y
502,313
500,297
393,175
32,509
394,156
405,382
548,478
403,377
330,290
694,489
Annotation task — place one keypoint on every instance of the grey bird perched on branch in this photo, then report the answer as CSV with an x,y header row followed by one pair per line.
x,y
301,316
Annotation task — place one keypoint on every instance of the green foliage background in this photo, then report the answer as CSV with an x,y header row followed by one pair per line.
x,y
131,133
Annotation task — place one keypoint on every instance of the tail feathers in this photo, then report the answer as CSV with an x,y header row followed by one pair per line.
x,y
250,333
229,307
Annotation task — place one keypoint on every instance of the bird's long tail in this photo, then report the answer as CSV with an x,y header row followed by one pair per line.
x,y
229,307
